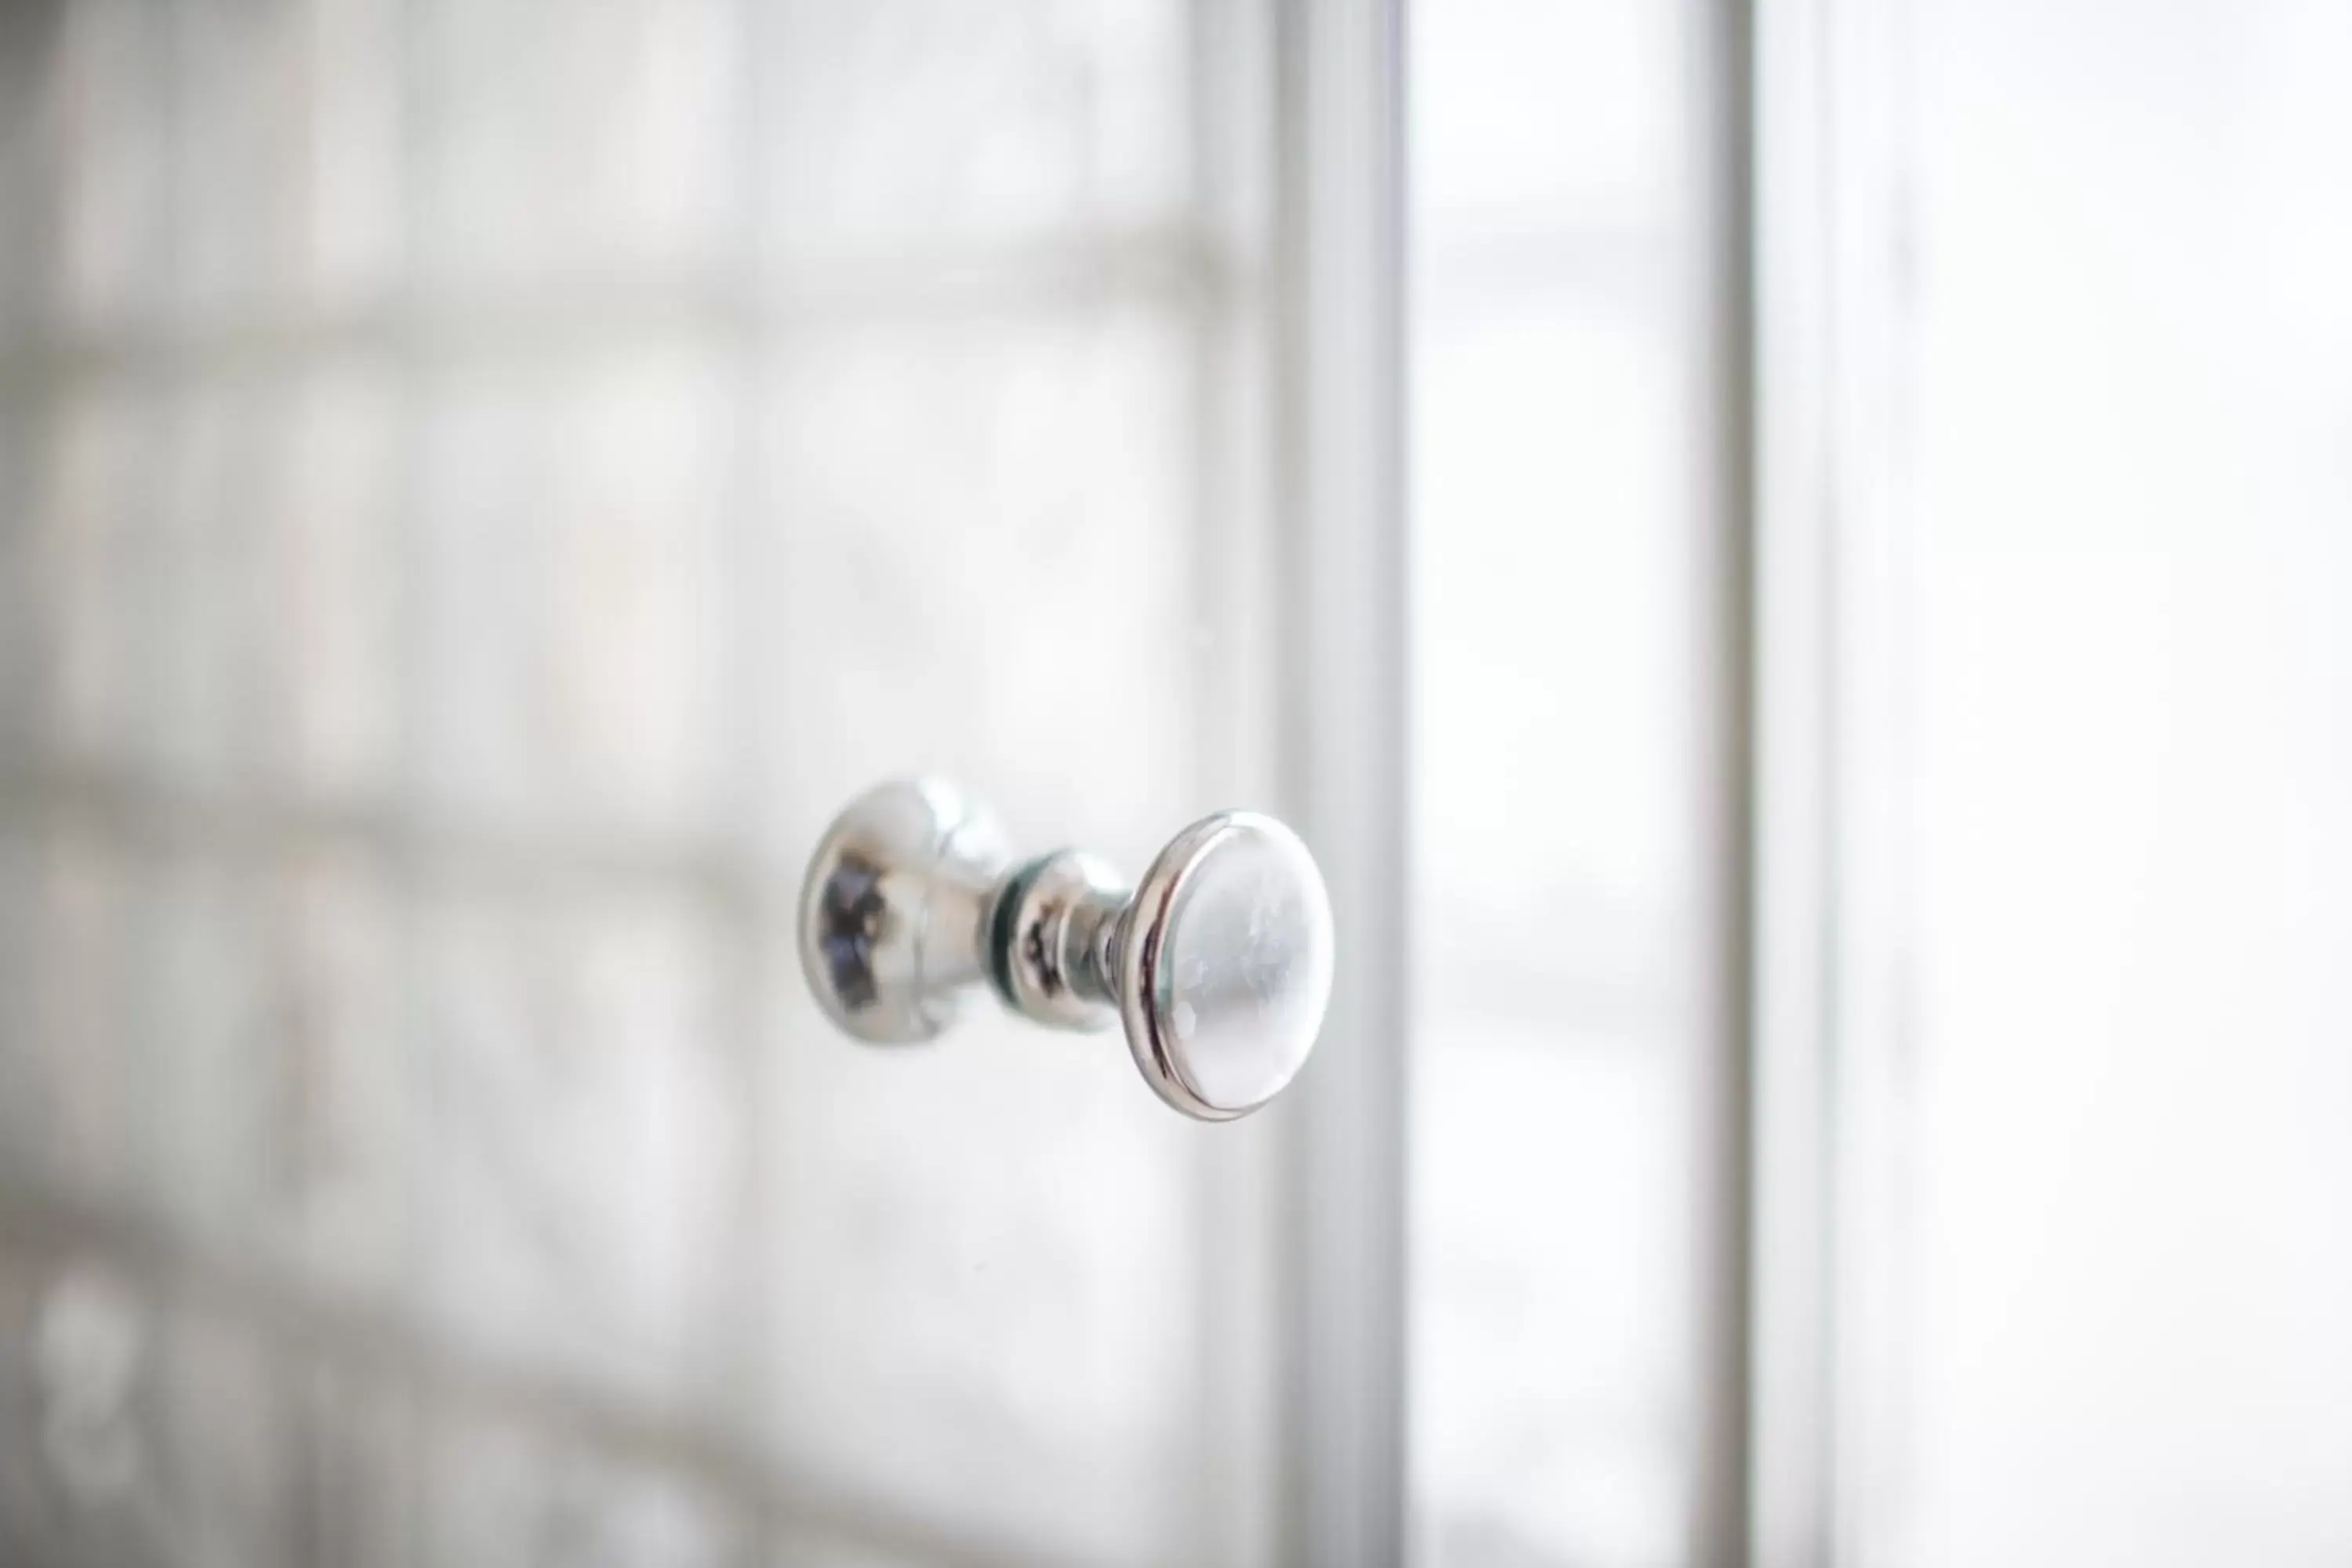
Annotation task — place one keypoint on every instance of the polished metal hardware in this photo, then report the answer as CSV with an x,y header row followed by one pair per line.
x,y
1218,963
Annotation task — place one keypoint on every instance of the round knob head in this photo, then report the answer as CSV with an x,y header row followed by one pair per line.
x,y
1225,964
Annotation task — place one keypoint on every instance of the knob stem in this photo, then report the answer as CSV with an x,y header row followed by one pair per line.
x,y
1049,941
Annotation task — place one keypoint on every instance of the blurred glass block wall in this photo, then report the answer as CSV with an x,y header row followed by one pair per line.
x,y
480,482
1563,475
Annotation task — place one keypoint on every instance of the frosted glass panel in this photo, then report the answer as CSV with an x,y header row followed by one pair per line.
x,y
481,481
1558,419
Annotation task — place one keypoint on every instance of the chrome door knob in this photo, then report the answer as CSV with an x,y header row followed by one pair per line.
x,y
1218,963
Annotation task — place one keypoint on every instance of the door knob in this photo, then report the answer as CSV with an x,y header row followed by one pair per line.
x,y
1218,963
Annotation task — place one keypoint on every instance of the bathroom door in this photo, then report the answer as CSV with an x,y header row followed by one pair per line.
x,y
480,484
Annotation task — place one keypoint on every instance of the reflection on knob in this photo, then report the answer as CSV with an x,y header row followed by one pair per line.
x,y
1218,963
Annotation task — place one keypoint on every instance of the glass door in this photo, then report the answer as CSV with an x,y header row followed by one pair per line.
x,y
480,486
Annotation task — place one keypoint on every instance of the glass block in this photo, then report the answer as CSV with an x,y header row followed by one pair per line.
x,y
25,177
357,200
358,1495
24,1033
604,145
80,1477
497,1489
286,156
230,1451
210,611
920,126
977,534
220,1096
70,1122
331,680
107,87
335,955
275,1097
581,1151
33,1518
958,1329
569,589
92,494
244,79
23,706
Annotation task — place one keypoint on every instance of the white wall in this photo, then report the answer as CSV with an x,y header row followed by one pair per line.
x,y
2132,752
